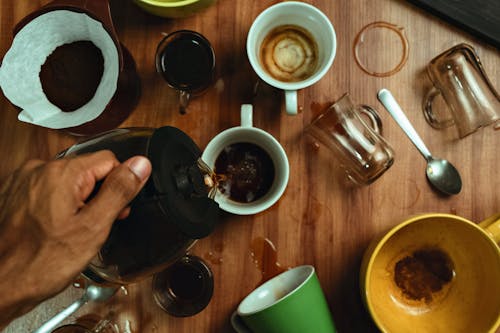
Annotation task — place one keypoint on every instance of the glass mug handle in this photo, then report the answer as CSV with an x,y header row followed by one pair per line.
x,y
376,122
184,98
429,115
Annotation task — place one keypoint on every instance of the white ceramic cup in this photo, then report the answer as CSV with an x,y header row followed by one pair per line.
x,y
247,133
309,18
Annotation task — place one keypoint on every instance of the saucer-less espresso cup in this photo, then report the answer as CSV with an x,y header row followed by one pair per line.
x,y
292,302
291,46
251,165
434,273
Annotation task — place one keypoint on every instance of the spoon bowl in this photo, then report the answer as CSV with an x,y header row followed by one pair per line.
x,y
92,293
99,293
441,174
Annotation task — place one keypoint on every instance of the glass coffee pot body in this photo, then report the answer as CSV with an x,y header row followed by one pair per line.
x,y
167,216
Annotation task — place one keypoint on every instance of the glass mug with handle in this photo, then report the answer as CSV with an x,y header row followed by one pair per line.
x,y
458,75
363,153
186,61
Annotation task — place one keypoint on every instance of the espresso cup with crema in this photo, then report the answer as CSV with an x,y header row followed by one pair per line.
x,y
291,46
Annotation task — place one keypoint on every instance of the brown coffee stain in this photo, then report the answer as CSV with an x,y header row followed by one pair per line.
x,y
411,197
318,108
361,39
423,274
213,257
265,258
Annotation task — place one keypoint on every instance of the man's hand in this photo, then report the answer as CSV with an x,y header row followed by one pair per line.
x,y
49,231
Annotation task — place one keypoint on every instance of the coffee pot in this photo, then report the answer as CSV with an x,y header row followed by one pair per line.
x,y
169,214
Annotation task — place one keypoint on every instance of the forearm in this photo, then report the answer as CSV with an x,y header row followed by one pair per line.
x,y
17,296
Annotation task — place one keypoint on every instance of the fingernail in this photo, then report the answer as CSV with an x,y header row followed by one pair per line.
x,y
140,166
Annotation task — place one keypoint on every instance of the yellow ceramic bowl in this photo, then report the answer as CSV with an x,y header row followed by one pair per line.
x,y
174,8
434,273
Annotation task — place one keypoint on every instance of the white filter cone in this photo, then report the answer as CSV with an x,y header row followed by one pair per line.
x,y
20,69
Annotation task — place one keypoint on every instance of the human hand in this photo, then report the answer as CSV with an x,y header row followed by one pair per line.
x,y
48,230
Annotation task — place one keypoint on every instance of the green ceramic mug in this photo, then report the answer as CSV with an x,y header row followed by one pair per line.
x,y
292,302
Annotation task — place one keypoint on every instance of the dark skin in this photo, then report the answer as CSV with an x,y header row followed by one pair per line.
x,y
48,230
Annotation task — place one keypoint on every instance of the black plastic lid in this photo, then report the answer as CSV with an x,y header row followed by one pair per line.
x,y
179,182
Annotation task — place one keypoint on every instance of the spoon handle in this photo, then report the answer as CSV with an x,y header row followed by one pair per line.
x,y
390,103
54,321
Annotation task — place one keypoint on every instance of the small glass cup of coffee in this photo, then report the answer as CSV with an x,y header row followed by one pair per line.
x,y
186,61
185,288
251,167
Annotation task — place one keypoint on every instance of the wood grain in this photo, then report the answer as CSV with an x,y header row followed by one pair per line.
x,y
318,221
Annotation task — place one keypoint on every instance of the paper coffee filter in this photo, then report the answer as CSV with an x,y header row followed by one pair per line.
x,y
20,69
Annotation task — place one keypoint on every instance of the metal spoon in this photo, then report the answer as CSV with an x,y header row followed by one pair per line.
x,y
440,173
92,293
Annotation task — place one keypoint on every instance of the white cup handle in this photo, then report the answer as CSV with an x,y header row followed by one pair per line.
x,y
246,115
291,102
238,324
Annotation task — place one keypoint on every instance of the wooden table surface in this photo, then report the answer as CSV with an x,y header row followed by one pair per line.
x,y
318,221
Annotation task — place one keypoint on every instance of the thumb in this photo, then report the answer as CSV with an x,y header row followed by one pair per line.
x,y
118,189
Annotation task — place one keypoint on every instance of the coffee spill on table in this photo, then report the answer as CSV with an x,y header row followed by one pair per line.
x,y
265,257
213,257
425,275
381,49
411,196
319,108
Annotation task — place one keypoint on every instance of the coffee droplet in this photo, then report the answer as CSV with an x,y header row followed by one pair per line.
x,y
424,274
289,53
